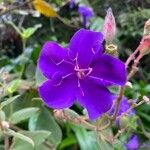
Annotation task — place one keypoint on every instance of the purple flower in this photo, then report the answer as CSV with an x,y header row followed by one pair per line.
x,y
72,4
133,143
86,13
79,73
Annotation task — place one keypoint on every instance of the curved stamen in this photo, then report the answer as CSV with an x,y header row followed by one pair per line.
x,y
60,62
89,71
62,78
93,51
79,86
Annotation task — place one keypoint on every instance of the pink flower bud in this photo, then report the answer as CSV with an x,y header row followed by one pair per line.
x,y
144,46
109,27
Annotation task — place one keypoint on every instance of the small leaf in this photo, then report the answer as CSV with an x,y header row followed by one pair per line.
x,y
44,8
20,136
8,101
13,86
23,114
30,31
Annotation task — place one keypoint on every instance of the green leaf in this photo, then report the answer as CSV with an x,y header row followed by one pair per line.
x,y
88,139
2,115
24,101
45,121
30,31
37,136
145,116
67,142
118,145
8,101
97,24
132,123
20,136
13,86
23,114
1,147
35,53
39,77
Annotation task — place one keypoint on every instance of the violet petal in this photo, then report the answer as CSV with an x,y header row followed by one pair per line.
x,y
96,98
59,96
110,69
53,58
133,143
84,45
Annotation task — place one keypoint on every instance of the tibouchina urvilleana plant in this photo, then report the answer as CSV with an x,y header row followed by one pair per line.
x,y
86,70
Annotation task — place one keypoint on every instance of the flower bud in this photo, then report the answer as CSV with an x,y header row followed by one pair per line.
x,y
124,121
129,84
146,28
109,27
144,46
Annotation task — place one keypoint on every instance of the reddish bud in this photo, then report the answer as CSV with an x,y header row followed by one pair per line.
x,y
109,27
144,46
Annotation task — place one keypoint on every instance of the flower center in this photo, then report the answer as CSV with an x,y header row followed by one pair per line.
x,y
81,73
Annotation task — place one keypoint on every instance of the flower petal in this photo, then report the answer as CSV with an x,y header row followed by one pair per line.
x,y
110,69
85,11
84,44
53,58
59,96
94,97
133,143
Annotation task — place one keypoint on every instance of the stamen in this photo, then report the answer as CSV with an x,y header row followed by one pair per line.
x,y
58,63
93,51
90,70
79,85
62,78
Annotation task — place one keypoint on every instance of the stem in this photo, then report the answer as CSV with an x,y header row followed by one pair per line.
x,y
6,142
131,57
23,66
66,23
134,67
130,109
118,100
